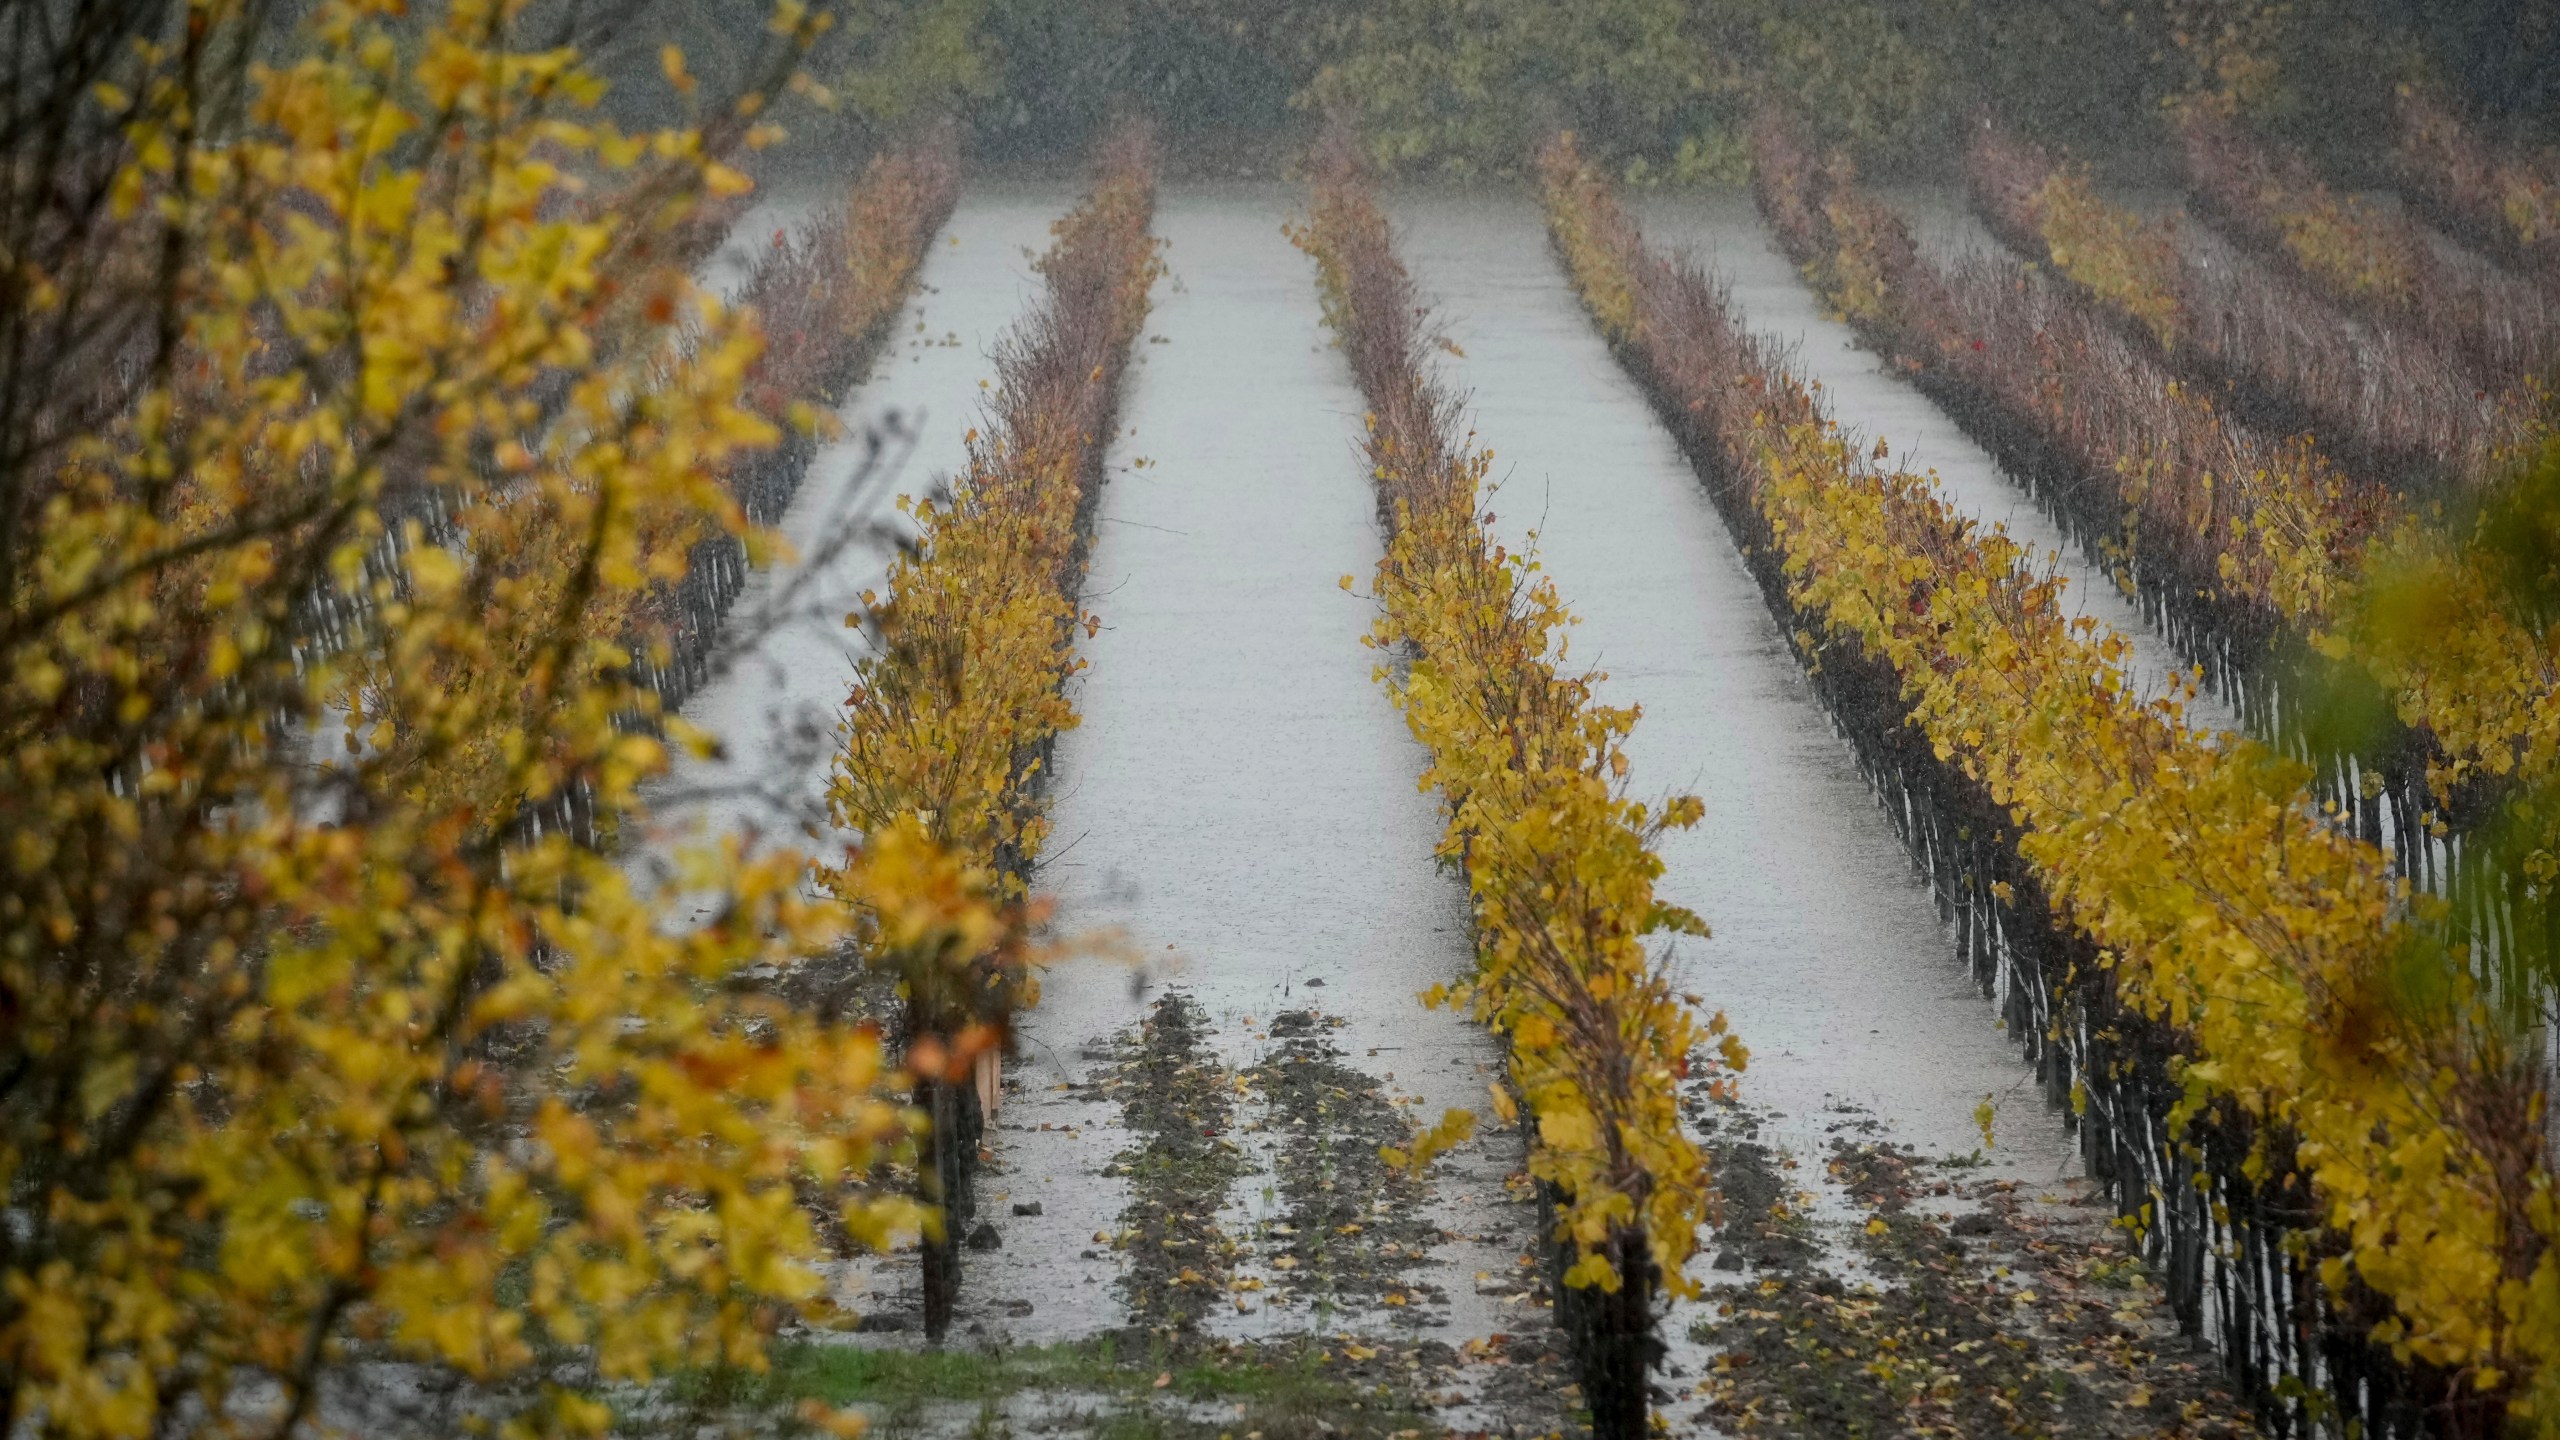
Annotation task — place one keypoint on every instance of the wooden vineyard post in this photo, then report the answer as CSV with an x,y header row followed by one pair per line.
x,y
945,1177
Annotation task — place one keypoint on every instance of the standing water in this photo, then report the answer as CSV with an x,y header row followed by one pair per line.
x,y
789,657
1724,231
1827,953
1239,805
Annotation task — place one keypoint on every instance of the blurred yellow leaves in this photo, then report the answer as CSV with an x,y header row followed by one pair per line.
x,y
319,689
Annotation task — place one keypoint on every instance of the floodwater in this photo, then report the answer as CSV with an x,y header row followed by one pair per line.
x,y
1239,802
1724,231
1238,810
773,211
1827,952
788,653
1941,222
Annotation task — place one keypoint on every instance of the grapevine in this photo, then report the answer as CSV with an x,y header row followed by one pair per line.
x,y
1559,860
947,731
2216,901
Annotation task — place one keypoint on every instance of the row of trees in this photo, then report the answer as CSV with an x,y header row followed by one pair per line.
x,y
1469,86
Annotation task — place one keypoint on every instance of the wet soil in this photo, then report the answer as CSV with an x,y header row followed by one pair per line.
x,y
1177,1102
1341,1253
1958,1309
1354,1229
1337,1251
1337,1388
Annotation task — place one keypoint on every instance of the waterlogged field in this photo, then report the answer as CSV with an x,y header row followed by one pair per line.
x,y
956,721
1190,1207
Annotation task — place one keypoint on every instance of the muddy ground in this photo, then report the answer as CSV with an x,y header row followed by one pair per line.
x,y
1348,1337
1857,1289
1929,1301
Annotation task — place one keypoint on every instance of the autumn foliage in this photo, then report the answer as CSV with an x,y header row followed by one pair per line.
x,y
2369,261
2239,543
2384,402
2504,199
350,448
947,731
2216,901
950,719
1558,857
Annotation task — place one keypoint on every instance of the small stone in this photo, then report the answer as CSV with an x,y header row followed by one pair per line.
x,y
985,1238
1026,1207
1728,1260
1315,984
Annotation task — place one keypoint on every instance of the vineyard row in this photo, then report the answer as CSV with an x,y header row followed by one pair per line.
x,y
1559,859
949,726
2192,952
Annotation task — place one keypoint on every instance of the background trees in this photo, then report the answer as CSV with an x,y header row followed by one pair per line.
x,y
1464,86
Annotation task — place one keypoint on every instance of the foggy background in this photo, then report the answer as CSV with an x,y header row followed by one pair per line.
x,y
1660,88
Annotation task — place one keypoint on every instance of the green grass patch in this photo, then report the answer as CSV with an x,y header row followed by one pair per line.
x,y
860,1375
1285,1389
